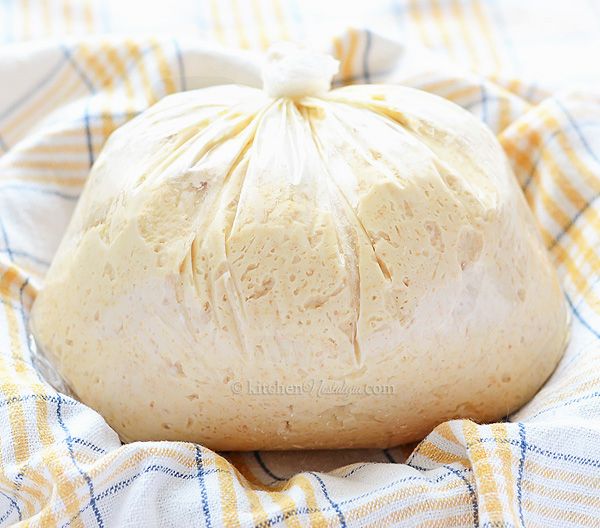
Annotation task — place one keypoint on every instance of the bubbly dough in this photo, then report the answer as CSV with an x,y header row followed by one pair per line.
x,y
374,234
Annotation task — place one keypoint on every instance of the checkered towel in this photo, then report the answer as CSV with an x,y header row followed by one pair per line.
x,y
72,71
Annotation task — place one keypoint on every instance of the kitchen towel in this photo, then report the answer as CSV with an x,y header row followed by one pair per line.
x,y
71,71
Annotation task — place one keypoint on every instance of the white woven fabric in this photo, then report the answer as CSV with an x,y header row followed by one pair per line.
x,y
65,84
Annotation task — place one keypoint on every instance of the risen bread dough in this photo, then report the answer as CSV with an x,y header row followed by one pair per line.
x,y
229,238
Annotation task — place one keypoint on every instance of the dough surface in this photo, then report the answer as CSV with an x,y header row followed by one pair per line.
x,y
371,237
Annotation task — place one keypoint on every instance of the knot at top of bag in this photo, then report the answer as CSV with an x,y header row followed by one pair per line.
x,y
292,71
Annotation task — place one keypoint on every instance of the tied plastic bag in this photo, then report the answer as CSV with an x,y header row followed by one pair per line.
x,y
296,267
